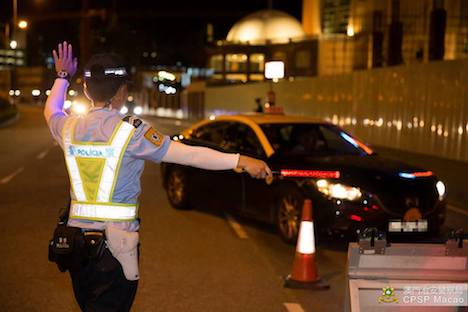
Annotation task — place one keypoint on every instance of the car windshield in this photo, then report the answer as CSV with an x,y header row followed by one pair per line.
x,y
310,140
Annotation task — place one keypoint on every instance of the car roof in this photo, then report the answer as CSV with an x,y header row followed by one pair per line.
x,y
270,118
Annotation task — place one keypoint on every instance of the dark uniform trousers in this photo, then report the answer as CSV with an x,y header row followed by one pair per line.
x,y
101,286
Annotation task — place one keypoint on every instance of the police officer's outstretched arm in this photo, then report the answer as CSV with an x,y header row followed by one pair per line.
x,y
206,158
65,66
149,144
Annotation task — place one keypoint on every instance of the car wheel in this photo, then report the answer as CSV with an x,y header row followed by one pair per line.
x,y
177,188
289,209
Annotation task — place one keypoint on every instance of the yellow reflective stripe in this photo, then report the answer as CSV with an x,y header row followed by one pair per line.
x,y
104,204
112,166
75,178
100,219
65,126
124,148
102,211
72,166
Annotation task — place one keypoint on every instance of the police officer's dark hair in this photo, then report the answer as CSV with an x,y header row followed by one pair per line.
x,y
102,87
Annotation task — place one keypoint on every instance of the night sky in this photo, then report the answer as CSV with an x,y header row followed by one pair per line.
x,y
175,30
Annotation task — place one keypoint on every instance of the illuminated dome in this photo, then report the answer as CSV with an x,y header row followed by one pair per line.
x,y
264,25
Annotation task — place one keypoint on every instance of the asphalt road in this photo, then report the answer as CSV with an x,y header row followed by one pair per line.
x,y
190,260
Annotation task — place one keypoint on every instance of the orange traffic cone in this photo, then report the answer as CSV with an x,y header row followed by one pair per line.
x,y
304,272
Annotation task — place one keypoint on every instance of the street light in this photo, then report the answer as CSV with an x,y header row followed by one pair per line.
x,y
274,70
22,24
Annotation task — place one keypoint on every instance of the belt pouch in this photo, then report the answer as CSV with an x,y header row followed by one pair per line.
x,y
95,245
66,247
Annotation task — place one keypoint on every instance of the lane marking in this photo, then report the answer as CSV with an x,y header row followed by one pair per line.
x,y
293,307
43,154
8,178
238,229
457,210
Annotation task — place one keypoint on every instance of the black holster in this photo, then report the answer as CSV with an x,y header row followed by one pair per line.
x,y
71,248
66,248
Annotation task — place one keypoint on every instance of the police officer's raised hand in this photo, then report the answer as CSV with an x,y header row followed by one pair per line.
x,y
255,167
63,59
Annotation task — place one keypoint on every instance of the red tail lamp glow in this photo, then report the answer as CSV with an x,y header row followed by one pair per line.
x,y
355,218
422,174
310,174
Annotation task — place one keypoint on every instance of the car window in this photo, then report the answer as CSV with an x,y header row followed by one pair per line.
x,y
302,140
212,133
241,138
338,142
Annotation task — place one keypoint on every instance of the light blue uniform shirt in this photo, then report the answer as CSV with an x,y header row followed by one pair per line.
x,y
98,126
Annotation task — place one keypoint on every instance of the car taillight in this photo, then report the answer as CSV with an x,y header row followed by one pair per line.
x,y
413,175
355,218
423,174
319,174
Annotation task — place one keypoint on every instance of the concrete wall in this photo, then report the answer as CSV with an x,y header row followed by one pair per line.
x,y
420,108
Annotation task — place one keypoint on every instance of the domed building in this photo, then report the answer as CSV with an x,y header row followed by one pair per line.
x,y
260,37
266,26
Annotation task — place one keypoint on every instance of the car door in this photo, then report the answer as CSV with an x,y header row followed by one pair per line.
x,y
215,188
256,193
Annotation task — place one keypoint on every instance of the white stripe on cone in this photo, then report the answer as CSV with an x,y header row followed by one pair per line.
x,y
306,242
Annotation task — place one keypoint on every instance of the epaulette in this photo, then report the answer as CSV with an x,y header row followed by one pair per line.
x,y
132,120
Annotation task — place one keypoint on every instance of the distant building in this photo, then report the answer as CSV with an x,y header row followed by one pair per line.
x,y
259,37
338,36
10,58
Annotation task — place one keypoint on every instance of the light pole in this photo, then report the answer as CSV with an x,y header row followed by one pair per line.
x,y
13,40
12,35
15,12
15,18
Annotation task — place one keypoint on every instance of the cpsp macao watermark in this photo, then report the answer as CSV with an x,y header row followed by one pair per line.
x,y
447,294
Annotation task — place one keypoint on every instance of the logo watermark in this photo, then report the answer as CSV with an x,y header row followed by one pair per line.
x,y
455,294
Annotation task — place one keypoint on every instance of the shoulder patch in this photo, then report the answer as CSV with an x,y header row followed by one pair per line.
x,y
154,137
133,121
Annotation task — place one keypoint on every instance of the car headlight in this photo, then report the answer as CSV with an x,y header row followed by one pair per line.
x,y
440,186
124,110
138,110
337,190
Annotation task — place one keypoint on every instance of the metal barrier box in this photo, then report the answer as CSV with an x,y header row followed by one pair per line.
x,y
407,277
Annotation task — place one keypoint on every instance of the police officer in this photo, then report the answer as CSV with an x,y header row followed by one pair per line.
x,y
105,153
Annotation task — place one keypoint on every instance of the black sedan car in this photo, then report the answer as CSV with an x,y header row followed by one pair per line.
x,y
350,186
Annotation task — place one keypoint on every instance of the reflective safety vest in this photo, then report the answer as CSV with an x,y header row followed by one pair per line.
x,y
93,168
